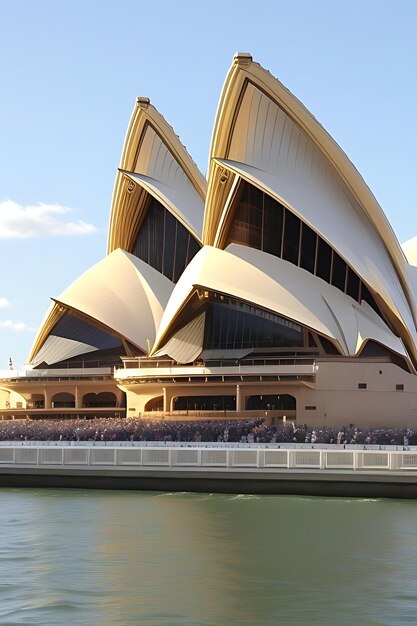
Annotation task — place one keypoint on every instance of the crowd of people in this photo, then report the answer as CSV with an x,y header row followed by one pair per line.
x,y
245,431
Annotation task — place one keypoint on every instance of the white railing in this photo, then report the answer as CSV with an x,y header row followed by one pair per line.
x,y
256,458
84,372
233,370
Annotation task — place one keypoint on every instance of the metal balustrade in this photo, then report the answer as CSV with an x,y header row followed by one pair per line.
x,y
408,461
245,458
214,457
262,458
185,457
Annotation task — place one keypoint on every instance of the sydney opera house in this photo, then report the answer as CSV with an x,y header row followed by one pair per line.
x,y
275,286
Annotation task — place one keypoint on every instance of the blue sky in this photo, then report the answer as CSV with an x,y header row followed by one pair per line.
x,y
71,72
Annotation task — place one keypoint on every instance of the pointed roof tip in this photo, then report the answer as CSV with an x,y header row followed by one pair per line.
x,y
143,102
242,58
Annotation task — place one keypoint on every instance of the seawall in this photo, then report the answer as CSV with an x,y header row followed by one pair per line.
x,y
266,469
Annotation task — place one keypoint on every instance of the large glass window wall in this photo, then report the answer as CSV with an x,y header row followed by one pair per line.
x,y
233,324
164,243
263,223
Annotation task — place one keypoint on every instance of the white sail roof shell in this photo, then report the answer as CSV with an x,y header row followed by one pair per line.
x,y
338,220
281,287
156,162
183,202
264,135
410,250
121,293
56,349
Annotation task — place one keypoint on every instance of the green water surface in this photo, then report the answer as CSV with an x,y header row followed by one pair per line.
x,y
75,557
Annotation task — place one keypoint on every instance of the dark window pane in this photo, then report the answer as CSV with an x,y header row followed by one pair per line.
x,y
324,259
352,286
279,402
155,222
368,297
193,248
291,238
339,272
246,227
180,251
243,326
169,248
308,248
328,346
272,226
141,246
205,403
161,237
255,201
71,326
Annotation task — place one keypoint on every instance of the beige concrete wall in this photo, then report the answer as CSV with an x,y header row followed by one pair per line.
x,y
27,392
138,395
10,399
336,397
338,400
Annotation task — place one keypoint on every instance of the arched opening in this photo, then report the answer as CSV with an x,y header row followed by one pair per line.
x,y
63,400
279,402
102,399
205,403
4,399
11,399
156,404
37,401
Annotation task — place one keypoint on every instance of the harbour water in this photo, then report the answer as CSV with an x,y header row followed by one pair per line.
x,y
81,557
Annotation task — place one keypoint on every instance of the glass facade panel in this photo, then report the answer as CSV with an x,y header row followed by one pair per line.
x,y
193,248
328,346
155,230
259,222
164,243
205,403
180,252
338,272
271,402
291,238
367,296
73,327
352,284
169,247
272,226
141,245
308,248
324,260
247,223
237,325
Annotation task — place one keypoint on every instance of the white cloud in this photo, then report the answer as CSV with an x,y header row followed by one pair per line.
x,y
41,220
4,302
17,326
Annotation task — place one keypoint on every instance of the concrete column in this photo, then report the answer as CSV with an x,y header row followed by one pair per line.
x,y
47,401
119,397
240,399
77,397
169,394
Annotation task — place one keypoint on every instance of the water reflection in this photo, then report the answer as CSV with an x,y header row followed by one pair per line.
x,y
85,557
